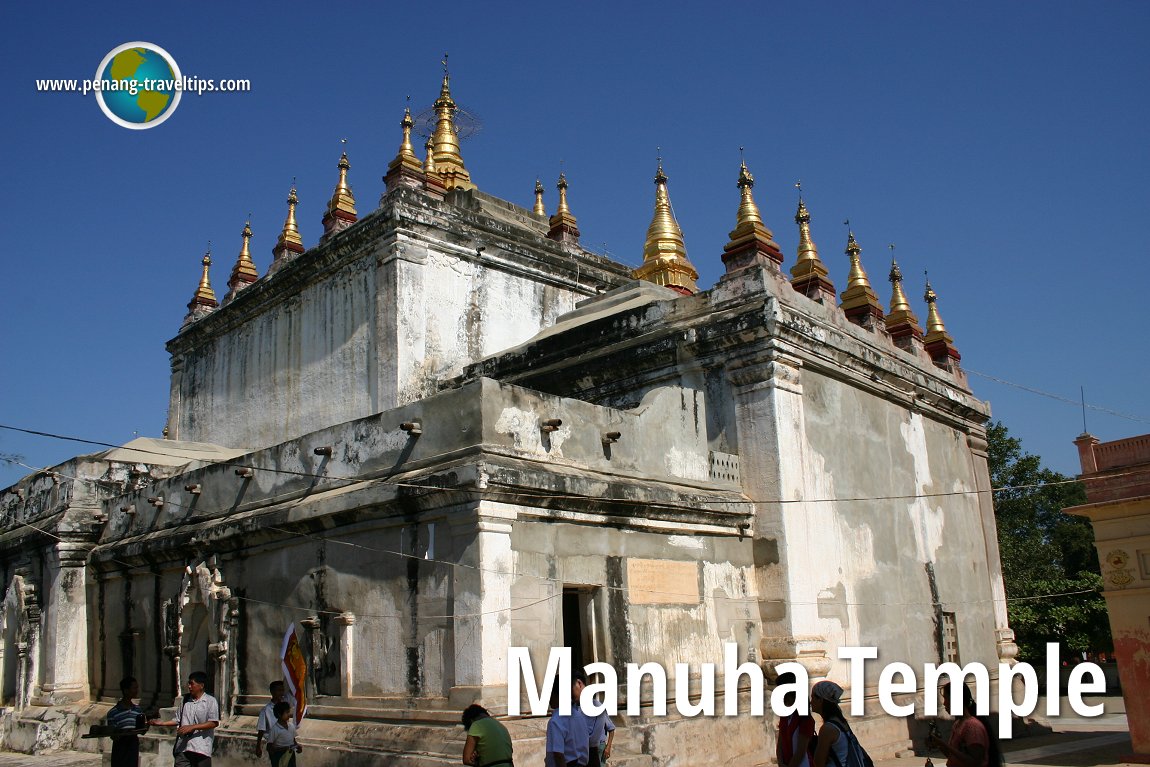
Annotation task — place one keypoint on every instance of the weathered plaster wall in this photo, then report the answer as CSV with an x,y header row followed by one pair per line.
x,y
370,320
865,562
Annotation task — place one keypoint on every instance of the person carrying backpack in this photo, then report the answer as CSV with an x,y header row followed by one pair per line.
x,y
837,746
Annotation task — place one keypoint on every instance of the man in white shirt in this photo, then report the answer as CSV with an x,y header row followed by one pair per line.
x,y
199,716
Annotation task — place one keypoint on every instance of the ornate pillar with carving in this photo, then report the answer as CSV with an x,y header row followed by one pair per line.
x,y
772,447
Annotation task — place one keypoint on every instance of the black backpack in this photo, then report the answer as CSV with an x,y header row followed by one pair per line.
x,y
856,754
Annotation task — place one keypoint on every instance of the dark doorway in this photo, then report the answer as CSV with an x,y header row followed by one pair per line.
x,y
580,631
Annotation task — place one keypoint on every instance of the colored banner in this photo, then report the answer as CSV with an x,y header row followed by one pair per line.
x,y
295,672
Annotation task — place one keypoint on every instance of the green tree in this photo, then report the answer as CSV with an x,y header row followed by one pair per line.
x,y
1044,553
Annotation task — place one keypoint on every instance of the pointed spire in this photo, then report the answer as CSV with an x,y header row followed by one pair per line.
x,y
539,209
432,181
405,169
289,245
204,299
901,322
860,304
809,274
938,342
664,254
563,226
448,160
341,208
750,241
244,272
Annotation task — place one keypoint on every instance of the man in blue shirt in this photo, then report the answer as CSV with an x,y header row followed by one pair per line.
x,y
569,737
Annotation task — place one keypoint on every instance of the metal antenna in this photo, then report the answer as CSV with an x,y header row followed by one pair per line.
x,y
1082,392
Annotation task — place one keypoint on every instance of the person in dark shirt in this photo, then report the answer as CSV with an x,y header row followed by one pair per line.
x,y
126,715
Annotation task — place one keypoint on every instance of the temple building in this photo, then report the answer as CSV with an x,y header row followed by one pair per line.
x,y
447,429
1116,476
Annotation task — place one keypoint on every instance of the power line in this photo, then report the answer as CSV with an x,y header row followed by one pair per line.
x,y
1059,398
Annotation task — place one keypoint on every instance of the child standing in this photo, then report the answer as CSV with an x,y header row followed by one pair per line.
x,y
282,745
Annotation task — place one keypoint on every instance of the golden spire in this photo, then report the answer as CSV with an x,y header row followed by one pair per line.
x,y
288,245
562,187
244,272
405,169
938,342
860,304
664,253
934,326
563,225
406,150
750,241
341,208
809,274
429,164
539,209
901,322
204,299
448,160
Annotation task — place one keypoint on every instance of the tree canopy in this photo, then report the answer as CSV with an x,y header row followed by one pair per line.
x,y
1046,554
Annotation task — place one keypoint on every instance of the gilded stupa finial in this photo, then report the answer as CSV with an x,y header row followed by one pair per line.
x,y
562,226
539,209
938,342
448,160
860,303
809,274
664,253
244,272
340,212
405,169
204,299
750,241
288,244
901,322
429,163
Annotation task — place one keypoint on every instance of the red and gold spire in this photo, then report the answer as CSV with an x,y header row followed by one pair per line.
x,y
938,342
405,169
432,181
244,272
860,303
664,253
563,225
289,245
341,208
809,274
901,322
203,300
751,242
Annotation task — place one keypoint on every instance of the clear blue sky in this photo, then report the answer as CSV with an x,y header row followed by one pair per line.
x,y
1002,146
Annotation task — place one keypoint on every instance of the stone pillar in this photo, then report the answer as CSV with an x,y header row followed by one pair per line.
x,y
481,585
1005,647
772,448
65,646
346,623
